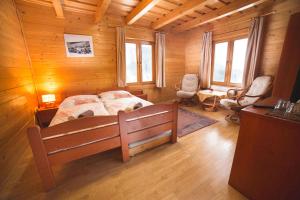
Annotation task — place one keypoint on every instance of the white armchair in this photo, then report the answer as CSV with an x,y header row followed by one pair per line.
x,y
260,88
188,87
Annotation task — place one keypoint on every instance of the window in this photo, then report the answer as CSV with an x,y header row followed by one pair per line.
x,y
228,62
139,62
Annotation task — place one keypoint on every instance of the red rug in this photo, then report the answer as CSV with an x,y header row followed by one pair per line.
x,y
189,122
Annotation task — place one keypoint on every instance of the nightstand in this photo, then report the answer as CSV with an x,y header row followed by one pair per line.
x,y
142,96
44,116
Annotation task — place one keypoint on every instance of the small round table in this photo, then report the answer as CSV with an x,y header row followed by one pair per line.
x,y
206,95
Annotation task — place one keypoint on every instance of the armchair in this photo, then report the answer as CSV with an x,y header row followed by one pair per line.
x,y
241,98
188,88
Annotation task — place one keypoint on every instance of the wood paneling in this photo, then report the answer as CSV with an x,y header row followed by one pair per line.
x,y
215,14
276,28
54,72
237,25
175,61
17,94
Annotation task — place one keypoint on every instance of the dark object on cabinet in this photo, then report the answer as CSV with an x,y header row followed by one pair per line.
x,y
296,91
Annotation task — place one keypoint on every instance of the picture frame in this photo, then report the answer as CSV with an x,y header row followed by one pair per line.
x,y
79,45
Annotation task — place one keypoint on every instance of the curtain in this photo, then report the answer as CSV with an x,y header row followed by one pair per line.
x,y
253,50
205,60
121,64
160,60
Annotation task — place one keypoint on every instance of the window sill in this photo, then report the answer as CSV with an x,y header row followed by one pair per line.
x,y
223,88
141,86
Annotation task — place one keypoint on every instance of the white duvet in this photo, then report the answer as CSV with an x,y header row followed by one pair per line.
x,y
108,103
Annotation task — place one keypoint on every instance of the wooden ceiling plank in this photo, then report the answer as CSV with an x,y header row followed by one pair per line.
x,y
181,11
140,10
58,9
232,8
39,2
71,9
224,2
79,5
101,9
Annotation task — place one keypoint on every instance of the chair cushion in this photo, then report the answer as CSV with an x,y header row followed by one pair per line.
x,y
260,86
184,94
228,103
190,83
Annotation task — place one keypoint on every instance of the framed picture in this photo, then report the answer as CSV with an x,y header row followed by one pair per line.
x,y
79,45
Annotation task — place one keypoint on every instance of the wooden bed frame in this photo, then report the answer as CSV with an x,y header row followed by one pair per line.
x,y
82,137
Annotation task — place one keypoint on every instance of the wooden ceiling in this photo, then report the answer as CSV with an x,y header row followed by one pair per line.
x,y
176,15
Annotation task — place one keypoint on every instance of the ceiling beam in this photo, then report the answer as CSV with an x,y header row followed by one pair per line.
x,y
140,10
58,8
181,11
101,9
232,8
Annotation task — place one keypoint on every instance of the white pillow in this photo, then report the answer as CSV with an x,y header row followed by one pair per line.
x,y
114,94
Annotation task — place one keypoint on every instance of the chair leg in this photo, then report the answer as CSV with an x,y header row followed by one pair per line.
x,y
233,118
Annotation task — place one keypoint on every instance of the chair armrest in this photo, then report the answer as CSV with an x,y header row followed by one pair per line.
x,y
244,95
230,96
262,95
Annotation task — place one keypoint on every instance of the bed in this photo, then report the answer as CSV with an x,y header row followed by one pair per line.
x,y
65,140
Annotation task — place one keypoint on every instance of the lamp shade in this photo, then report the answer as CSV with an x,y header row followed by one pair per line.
x,y
48,98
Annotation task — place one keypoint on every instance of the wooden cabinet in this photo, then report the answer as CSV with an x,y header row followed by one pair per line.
x,y
266,163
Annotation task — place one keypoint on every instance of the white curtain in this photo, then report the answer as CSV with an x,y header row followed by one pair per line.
x,y
205,60
253,50
160,60
121,63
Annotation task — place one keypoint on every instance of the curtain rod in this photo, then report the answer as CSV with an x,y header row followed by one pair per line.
x,y
263,15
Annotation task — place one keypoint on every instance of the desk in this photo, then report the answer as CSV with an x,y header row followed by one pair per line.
x,y
266,163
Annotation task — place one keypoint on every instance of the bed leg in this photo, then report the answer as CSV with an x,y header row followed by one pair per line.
x,y
175,119
123,136
40,157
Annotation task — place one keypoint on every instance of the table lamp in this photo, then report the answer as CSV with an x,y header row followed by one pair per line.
x,y
48,100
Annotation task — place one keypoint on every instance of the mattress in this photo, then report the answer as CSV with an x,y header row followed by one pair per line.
x,y
103,104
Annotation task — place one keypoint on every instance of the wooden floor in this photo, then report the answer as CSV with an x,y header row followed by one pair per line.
x,y
197,167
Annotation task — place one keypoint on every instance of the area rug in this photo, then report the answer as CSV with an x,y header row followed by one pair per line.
x,y
189,122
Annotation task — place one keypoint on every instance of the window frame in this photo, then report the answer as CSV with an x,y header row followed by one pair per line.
x,y
229,60
139,44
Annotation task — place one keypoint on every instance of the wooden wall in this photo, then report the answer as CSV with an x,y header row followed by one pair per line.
x,y
237,25
56,73
175,62
276,28
53,71
17,94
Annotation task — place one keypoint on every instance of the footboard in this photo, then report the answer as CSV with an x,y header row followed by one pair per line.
x,y
146,123
70,141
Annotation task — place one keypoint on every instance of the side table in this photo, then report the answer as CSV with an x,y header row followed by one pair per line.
x,y
210,99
